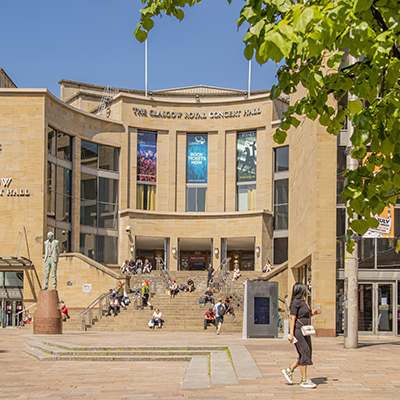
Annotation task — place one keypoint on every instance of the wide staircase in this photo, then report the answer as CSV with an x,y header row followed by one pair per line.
x,y
181,313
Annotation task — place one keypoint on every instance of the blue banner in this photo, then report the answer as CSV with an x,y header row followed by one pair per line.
x,y
197,160
146,156
246,156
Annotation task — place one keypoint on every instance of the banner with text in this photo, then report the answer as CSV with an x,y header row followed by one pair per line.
x,y
197,160
246,156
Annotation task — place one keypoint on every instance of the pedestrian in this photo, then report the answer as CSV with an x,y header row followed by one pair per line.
x,y
210,274
219,309
145,295
300,314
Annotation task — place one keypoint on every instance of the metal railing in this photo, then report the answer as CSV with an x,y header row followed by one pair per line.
x,y
27,308
222,272
166,277
231,291
88,311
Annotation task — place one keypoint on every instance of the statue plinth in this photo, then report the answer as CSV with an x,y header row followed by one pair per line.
x,y
47,319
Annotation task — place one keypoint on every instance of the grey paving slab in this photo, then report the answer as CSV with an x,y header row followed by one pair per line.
x,y
197,376
221,368
243,362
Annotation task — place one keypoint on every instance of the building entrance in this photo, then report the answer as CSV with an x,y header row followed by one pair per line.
x,y
376,305
9,310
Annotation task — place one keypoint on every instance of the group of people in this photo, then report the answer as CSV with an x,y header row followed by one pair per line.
x,y
137,267
175,287
117,299
216,314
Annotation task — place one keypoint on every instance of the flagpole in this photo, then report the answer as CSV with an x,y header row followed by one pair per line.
x,y
248,91
145,67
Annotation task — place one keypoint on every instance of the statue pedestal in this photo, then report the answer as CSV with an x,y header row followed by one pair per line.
x,y
47,318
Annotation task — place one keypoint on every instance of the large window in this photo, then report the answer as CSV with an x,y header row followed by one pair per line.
x,y
196,172
246,170
99,202
146,170
59,185
281,204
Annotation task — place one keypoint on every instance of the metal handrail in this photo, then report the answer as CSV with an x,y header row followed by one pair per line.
x,y
27,308
237,296
166,277
221,274
89,309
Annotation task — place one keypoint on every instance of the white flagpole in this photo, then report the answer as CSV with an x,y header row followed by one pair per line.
x,y
145,66
248,92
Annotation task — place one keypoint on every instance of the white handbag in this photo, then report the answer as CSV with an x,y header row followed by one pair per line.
x,y
307,330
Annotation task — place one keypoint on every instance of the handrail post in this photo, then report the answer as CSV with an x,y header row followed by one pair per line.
x,y
84,322
101,308
91,317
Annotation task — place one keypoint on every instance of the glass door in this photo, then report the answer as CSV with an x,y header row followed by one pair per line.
x,y
365,307
385,307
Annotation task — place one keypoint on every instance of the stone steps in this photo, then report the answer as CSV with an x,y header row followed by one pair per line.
x,y
207,365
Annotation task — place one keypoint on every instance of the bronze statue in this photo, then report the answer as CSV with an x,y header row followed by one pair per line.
x,y
51,253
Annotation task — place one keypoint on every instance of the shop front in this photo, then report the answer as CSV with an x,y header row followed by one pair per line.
x,y
11,298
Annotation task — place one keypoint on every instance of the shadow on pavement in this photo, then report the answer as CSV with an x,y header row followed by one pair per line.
x,y
320,380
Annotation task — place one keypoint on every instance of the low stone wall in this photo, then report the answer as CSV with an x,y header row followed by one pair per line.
x,y
81,280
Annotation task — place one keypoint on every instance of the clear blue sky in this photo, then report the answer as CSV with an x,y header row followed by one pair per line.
x,y
91,41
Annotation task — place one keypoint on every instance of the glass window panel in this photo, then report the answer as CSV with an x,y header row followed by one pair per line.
x,y
387,256
64,238
340,252
201,199
397,223
51,204
341,159
64,146
365,307
13,280
247,261
107,250
89,154
339,306
246,197
108,216
108,190
281,191
146,197
340,222
63,210
51,141
280,250
282,159
88,187
281,220
87,245
190,199
51,176
108,158
88,212
385,308
339,189
366,253
63,180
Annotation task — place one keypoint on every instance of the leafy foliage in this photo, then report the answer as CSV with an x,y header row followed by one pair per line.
x,y
345,49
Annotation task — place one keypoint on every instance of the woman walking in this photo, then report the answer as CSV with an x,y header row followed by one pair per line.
x,y
300,314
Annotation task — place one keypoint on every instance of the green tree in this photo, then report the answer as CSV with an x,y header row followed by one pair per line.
x,y
312,39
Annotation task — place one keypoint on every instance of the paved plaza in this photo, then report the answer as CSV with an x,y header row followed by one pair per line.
x,y
372,371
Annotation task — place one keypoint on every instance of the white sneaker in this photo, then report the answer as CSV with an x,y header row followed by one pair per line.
x,y
307,383
288,374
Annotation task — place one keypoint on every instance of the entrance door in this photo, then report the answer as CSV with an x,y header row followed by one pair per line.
x,y
385,307
9,310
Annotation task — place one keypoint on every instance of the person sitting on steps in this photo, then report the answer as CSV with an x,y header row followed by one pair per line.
x,y
229,307
208,296
209,318
157,315
173,289
189,285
